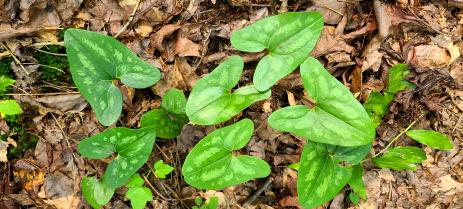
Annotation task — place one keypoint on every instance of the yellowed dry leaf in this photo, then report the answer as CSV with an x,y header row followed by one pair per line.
x,y
144,30
186,48
69,202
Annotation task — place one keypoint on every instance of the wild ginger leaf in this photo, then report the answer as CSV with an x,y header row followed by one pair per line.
x,y
320,177
9,107
133,147
168,120
400,158
212,165
288,37
337,118
431,138
211,100
356,181
352,155
96,193
96,60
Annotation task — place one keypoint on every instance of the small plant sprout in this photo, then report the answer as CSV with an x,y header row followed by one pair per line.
x,y
8,107
96,193
168,120
212,203
137,193
211,100
133,147
161,170
287,37
213,165
97,63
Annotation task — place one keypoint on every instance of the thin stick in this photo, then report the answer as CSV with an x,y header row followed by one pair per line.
x,y
258,192
326,6
15,58
61,43
52,53
43,94
458,122
154,189
399,135
130,19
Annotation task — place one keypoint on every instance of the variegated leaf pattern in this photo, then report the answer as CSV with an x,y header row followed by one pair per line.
x,y
337,118
356,181
400,158
288,37
212,165
211,100
352,155
168,120
96,193
133,147
320,177
97,60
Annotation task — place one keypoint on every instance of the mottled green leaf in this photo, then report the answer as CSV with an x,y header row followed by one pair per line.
x,y
132,145
135,181
288,37
353,155
431,138
400,158
337,118
295,166
211,100
96,193
174,101
377,106
139,196
320,177
356,181
96,60
170,118
4,83
9,107
397,83
162,170
213,165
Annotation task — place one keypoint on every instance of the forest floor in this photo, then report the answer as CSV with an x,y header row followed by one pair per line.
x,y
361,40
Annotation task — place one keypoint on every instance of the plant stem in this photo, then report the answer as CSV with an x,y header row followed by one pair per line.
x,y
399,135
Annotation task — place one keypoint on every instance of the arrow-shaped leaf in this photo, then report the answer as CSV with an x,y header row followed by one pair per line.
x,y
431,138
168,120
337,118
97,60
211,100
212,165
320,177
288,37
132,145
400,158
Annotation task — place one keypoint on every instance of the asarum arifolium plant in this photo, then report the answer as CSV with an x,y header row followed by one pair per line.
x,y
338,129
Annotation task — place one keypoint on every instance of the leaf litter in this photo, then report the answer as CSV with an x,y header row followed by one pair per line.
x,y
186,40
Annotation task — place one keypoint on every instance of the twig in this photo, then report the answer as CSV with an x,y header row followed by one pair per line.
x,y
52,53
458,122
399,135
130,19
326,6
43,94
154,189
258,192
15,58
61,43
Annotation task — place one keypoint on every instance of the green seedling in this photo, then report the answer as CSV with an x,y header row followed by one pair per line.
x,y
96,193
431,138
212,203
288,39
211,100
133,148
168,120
161,170
97,63
337,118
9,107
212,164
137,193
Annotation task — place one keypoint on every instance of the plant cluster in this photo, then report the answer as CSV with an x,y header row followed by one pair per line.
x,y
338,129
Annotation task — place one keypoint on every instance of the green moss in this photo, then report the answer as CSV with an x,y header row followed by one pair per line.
x,y
51,74
24,139
5,67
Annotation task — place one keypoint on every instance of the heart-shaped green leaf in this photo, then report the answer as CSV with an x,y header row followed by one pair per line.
x,y
161,170
211,101
431,138
400,158
212,165
397,82
337,118
96,193
168,120
320,177
135,181
139,196
97,60
9,107
352,155
132,145
288,37
356,181
5,82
